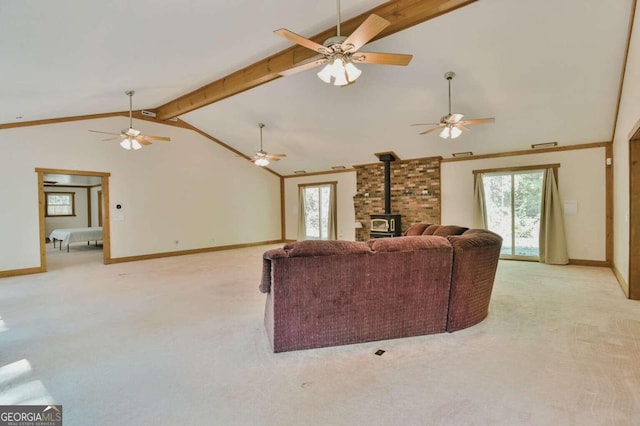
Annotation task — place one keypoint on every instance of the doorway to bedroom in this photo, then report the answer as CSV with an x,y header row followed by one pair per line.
x,y
73,217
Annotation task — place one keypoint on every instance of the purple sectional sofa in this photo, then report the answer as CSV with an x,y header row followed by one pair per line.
x,y
328,293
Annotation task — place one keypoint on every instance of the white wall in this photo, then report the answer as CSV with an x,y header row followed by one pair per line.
x,y
80,220
190,189
346,189
629,114
94,205
581,177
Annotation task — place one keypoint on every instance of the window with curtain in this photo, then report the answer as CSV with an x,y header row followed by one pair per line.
x,y
317,211
523,206
512,203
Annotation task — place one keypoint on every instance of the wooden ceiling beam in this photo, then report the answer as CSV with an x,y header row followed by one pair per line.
x,y
402,14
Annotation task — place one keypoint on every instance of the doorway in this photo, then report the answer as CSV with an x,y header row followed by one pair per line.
x,y
100,178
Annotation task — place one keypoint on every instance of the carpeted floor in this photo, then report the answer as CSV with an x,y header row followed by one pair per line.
x,y
180,341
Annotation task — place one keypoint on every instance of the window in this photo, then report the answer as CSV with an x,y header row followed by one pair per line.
x,y
513,201
60,204
317,212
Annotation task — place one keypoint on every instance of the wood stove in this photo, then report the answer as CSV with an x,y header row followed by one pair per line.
x,y
387,224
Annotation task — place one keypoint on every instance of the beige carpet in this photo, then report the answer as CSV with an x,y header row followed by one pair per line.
x,y
180,341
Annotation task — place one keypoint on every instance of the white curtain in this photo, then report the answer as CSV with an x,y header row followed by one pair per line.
x,y
479,205
553,243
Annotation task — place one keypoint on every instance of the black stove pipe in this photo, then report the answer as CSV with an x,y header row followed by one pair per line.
x,y
387,159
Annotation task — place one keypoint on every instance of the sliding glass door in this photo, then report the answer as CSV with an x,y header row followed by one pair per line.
x,y
317,220
513,203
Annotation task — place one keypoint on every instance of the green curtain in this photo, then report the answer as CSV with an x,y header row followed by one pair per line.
x,y
479,205
302,225
553,243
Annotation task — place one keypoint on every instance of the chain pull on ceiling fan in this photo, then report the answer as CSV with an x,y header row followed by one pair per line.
x,y
132,138
339,53
452,125
262,158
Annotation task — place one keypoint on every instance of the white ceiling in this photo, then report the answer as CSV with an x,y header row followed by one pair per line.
x,y
547,70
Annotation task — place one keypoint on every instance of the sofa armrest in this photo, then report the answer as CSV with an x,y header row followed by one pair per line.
x,y
265,282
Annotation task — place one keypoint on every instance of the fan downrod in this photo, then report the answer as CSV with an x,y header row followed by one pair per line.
x,y
449,75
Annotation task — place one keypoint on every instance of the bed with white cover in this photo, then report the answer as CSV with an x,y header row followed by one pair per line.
x,y
72,235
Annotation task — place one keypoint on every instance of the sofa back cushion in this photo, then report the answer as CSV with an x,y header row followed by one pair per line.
x,y
446,230
417,229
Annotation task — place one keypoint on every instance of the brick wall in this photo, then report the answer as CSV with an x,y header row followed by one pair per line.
x,y
415,192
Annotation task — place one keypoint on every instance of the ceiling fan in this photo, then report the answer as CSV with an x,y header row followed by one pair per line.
x,y
452,125
132,138
339,53
262,158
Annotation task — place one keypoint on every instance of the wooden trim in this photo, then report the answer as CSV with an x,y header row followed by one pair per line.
x,y
519,168
283,222
624,67
63,119
609,207
136,114
41,223
106,222
335,182
402,14
25,271
187,252
585,262
328,172
379,163
529,151
623,284
391,153
224,145
634,223
49,185
71,172
635,132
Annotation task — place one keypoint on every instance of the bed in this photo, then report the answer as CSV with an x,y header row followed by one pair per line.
x,y
72,235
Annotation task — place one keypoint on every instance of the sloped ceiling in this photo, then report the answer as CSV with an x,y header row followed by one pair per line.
x,y
546,70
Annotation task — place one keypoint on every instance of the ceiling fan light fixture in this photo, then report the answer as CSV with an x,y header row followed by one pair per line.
x,y
455,132
126,144
135,144
444,134
261,162
340,70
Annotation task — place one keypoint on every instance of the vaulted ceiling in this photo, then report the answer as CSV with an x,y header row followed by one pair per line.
x,y
547,70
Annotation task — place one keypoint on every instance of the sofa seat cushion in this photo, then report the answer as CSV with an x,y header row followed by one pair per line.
x,y
325,248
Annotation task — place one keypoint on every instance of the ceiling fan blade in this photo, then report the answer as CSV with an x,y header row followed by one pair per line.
x,y
425,124
479,121
154,138
112,139
276,155
106,133
370,28
305,65
382,58
454,118
298,39
143,141
460,126
429,131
